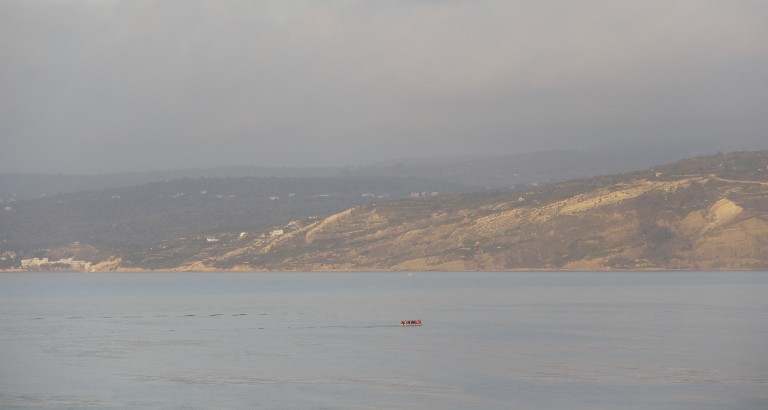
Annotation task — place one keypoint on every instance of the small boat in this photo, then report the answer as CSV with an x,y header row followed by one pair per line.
x,y
416,322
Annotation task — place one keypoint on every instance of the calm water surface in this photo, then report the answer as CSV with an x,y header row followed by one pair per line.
x,y
331,340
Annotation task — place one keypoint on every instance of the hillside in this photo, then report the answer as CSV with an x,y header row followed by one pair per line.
x,y
133,219
705,213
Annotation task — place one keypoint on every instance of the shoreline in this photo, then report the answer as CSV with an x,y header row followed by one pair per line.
x,y
364,270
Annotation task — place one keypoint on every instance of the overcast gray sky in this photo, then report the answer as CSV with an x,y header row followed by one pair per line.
x,y
107,85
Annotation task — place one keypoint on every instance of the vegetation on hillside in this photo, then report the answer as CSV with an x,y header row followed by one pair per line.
x,y
133,219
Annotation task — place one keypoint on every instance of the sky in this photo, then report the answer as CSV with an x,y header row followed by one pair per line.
x,y
94,86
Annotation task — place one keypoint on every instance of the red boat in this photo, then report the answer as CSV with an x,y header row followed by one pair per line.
x,y
416,322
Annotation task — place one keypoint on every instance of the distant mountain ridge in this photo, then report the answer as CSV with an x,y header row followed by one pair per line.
x,y
494,171
504,171
28,186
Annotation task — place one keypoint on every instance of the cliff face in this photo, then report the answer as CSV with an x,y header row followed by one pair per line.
x,y
707,213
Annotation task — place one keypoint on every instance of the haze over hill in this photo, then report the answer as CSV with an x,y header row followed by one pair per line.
x,y
505,171
488,171
26,186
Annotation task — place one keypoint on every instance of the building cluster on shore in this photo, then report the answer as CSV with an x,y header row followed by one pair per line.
x,y
424,194
45,264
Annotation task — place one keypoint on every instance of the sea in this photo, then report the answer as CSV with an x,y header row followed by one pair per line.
x,y
514,340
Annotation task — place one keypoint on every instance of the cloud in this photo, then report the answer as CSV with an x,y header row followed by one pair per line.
x,y
115,85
